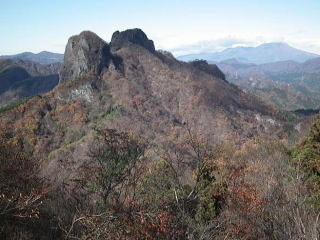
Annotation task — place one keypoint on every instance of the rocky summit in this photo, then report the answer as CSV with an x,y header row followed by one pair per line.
x,y
208,68
84,53
87,52
132,36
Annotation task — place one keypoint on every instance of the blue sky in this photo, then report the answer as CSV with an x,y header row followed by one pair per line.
x,y
181,26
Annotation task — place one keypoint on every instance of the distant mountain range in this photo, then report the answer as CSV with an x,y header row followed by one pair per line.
x,y
20,79
42,57
287,84
264,53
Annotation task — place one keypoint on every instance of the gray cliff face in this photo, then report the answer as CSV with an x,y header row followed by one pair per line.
x,y
84,53
131,36
88,53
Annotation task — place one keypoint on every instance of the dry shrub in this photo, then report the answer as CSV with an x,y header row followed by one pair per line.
x,y
266,195
21,195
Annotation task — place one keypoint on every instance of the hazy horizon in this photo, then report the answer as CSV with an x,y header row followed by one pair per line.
x,y
182,27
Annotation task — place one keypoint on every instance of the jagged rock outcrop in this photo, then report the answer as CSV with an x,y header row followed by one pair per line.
x,y
84,53
166,53
87,52
131,36
211,69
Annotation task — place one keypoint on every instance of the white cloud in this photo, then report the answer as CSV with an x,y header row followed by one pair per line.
x,y
179,45
213,45
307,44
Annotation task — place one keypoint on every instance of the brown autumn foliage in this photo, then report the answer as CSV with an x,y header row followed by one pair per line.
x,y
117,213
125,212
266,197
21,194
238,192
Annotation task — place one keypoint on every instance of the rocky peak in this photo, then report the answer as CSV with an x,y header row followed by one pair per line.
x,y
211,69
131,36
85,52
